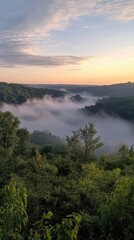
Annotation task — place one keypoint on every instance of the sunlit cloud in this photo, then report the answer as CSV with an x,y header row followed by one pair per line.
x,y
25,58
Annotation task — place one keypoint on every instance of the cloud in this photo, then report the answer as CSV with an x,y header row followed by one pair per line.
x,y
85,27
18,15
13,55
118,10
26,25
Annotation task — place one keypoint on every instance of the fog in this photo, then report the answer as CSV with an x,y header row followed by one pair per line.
x,y
61,116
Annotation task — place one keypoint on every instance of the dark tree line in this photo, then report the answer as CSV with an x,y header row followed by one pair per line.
x,y
18,94
119,106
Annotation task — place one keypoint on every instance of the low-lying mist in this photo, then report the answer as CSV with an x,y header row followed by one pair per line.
x,y
61,116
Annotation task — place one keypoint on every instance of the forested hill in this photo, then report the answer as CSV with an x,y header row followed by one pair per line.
x,y
121,106
18,94
114,90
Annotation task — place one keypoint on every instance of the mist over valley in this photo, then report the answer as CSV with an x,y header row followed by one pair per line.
x,y
61,115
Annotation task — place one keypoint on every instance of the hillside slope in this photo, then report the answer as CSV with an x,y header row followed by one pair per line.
x,y
18,94
120,106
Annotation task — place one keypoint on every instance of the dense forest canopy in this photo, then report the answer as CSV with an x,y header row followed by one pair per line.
x,y
18,94
70,195
119,106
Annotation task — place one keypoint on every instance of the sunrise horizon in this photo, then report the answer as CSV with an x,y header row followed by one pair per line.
x,y
66,84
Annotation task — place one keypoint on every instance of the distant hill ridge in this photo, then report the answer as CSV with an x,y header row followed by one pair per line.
x,y
114,90
17,94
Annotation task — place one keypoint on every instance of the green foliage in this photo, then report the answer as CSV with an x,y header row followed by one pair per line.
x,y
13,140
23,141
42,229
83,143
44,138
67,229
124,160
13,216
118,211
8,128
64,165
96,184
63,183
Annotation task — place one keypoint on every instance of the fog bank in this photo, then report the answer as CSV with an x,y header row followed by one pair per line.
x,y
61,116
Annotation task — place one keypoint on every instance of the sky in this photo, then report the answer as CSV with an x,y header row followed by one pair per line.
x,y
67,41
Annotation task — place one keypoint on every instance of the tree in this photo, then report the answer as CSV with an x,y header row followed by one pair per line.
x,y
9,125
42,229
83,142
67,229
23,141
13,214
117,214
